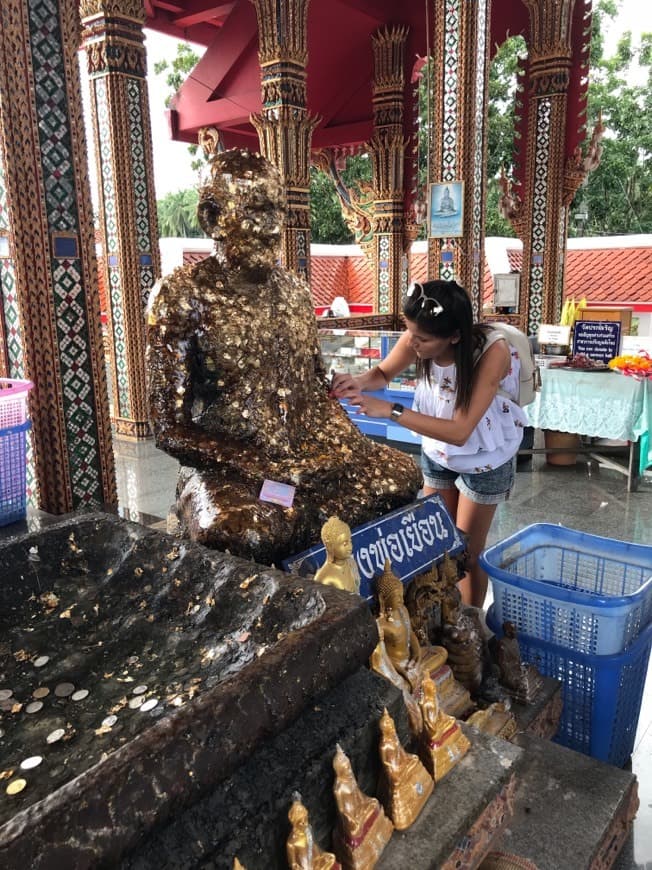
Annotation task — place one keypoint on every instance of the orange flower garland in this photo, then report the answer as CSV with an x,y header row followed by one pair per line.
x,y
639,366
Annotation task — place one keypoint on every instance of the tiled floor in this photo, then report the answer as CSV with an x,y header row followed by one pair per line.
x,y
587,497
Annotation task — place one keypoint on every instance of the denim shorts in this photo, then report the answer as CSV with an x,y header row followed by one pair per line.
x,y
485,487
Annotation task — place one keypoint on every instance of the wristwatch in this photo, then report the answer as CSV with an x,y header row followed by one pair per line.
x,y
397,410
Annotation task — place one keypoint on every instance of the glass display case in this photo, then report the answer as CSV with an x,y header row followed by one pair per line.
x,y
356,351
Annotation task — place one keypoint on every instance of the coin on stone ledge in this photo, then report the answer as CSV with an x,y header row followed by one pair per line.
x,y
5,694
40,661
41,692
79,695
64,689
54,736
139,690
31,762
34,707
135,703
149,705
110,721
16,786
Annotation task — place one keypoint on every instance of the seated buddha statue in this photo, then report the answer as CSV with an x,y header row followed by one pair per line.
x,y
523,682
410,660
339,569
381,663
462,637
302,851
405,785
363,830
442,743
238,390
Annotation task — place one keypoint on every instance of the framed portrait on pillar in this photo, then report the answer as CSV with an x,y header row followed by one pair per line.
x,y
446,210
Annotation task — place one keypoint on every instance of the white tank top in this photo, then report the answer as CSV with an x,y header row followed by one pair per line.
x,y
497,436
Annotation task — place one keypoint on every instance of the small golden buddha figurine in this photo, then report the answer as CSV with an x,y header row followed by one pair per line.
x,y
405,784
523,682
363,830
381,663
302,851
402,645
443,743
339,569
496,719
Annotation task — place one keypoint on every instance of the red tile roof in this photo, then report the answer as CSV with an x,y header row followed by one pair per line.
x,y
614,275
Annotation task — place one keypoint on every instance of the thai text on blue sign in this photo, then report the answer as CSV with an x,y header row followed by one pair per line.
x,y
597,339
412,538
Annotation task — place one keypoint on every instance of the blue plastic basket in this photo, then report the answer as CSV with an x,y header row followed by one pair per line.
x,y
579,591
13,473
601,694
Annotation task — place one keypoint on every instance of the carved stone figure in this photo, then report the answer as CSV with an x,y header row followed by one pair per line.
x,y
523,682
339,569
443,742
462,638
363,830
405,784
238,389
302,851
496,719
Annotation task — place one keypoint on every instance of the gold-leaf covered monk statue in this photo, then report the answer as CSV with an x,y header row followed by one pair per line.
x,y
363,830
340,568
443,743
238,389
405,784
302,851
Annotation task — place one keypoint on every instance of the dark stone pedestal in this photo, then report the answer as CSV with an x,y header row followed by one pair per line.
x,y
247,814
224,652
569,809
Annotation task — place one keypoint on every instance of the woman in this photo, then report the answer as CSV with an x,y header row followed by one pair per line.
x,y
464,407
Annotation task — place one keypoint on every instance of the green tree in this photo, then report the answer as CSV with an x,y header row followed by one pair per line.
x,y
177,214
177,71
617,197
505,97
327,223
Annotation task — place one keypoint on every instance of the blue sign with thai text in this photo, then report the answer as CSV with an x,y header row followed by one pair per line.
x,y
413,538
597,339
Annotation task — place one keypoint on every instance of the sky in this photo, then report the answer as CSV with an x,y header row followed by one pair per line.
x,y
172,171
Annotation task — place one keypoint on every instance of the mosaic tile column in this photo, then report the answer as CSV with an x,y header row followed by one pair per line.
x,y
460,52
284,126
387,152
544,236
51,241
112,36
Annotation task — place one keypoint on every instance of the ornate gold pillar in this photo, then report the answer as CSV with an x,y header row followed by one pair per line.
x,y
284,126
458,134
545,218
52,244
113,39
387,151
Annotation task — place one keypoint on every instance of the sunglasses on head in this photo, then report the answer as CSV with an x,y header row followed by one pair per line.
x,y
416,293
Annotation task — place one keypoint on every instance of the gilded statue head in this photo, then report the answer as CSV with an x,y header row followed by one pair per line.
x,y
242,208
387,727
298,814
390,589
342,764
336,537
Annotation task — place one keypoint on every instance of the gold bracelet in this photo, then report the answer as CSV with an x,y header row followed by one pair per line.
x,y
385,378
